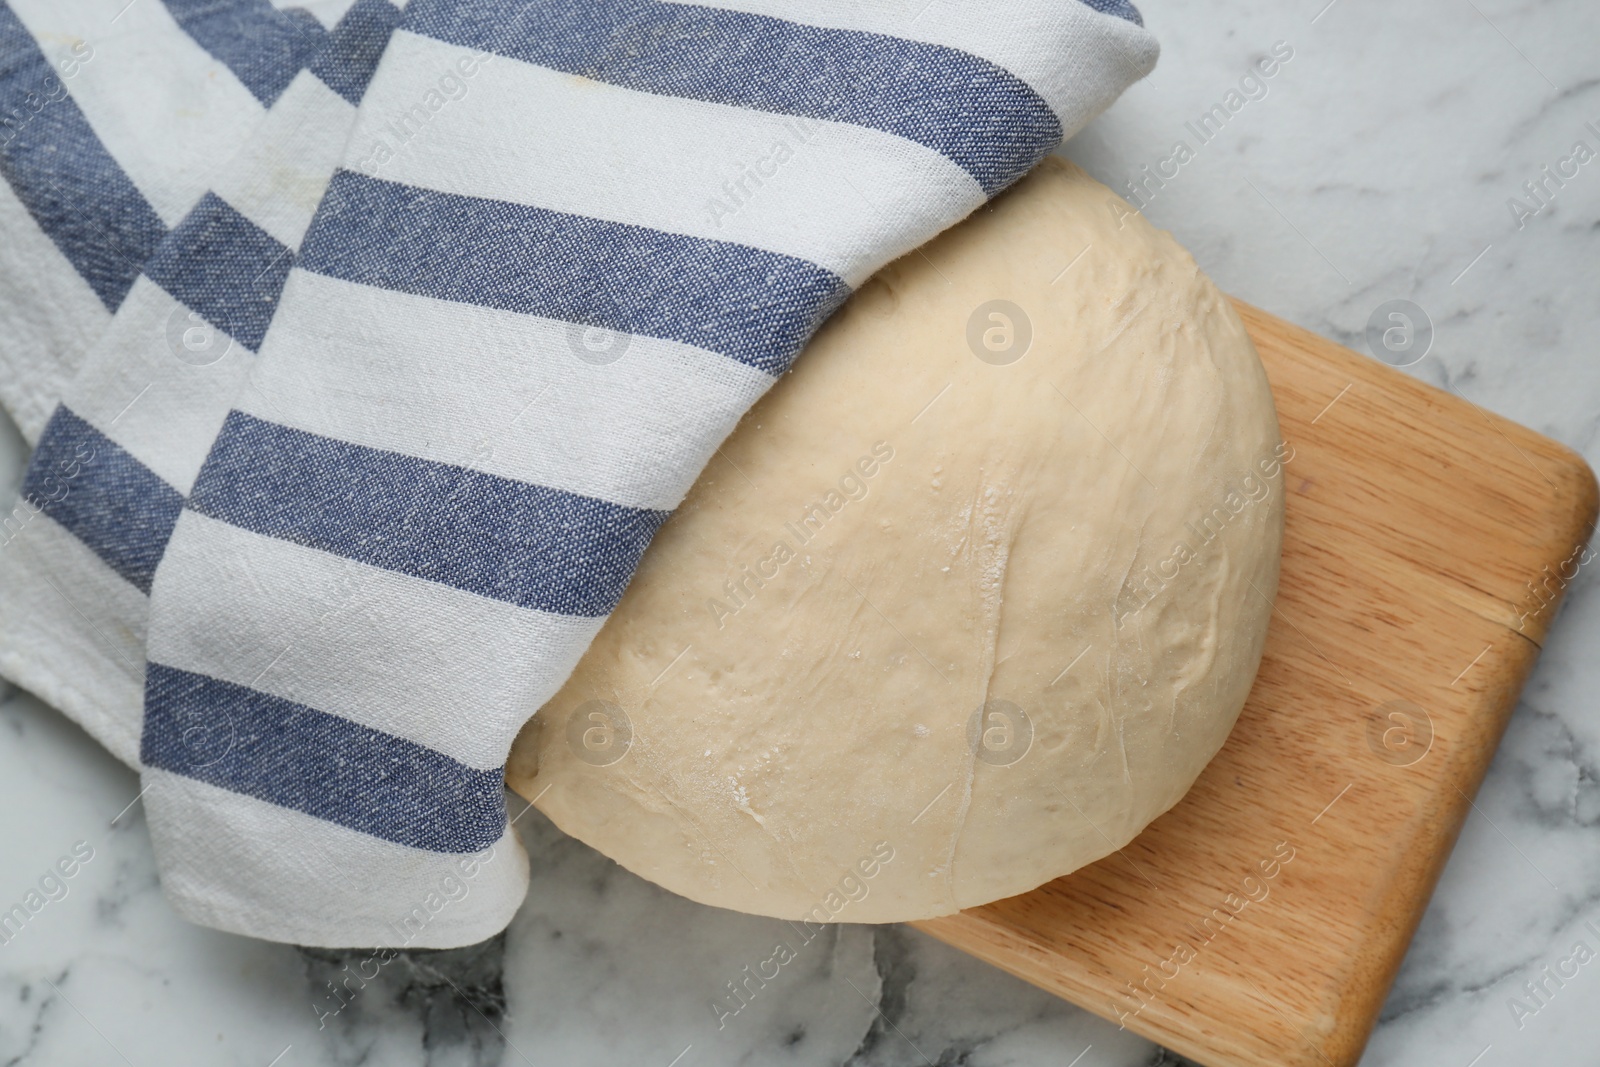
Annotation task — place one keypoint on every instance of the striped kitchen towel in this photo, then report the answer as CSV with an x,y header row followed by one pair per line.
x,y
124,444
113,115
566,245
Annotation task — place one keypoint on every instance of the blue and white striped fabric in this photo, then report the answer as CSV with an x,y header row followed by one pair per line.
x,y
565,246
112,118
120,453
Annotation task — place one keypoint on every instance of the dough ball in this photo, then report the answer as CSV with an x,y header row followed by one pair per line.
x,y
969,598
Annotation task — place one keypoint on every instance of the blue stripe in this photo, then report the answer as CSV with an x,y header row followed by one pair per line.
x,y
530,545
753,306
354,47
59,170
982,117
222,265
1120,8
263,46
100,494
325,766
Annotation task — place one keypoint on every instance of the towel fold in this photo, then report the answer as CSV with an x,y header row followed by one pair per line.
x,y
112,118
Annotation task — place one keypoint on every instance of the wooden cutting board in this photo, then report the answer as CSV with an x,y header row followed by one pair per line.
x,y
1424,553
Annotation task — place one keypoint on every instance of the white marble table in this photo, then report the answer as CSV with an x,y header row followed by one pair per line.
x,y
1377,165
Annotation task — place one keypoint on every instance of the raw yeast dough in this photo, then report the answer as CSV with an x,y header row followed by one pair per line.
x,y
967,600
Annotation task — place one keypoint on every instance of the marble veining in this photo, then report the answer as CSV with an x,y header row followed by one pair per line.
x,y
1381,161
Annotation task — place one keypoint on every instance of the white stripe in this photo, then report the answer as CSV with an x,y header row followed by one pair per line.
x,y
1076,58
834,194
450,670
72,631
52,317
237,863
163,107
496,390
279,177
162,407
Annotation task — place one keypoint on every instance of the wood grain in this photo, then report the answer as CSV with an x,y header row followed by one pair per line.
x,y
1418,526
